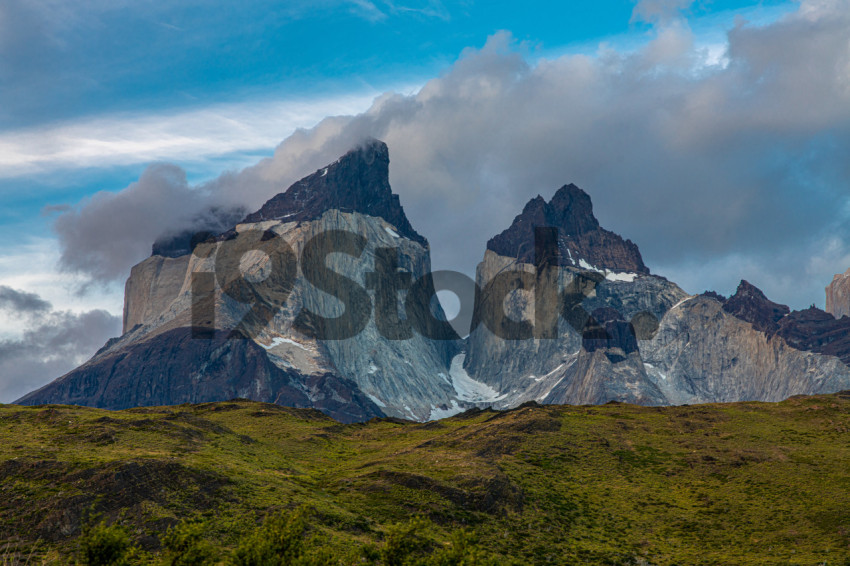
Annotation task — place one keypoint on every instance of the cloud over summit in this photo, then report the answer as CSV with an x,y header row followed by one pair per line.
x,y
719,168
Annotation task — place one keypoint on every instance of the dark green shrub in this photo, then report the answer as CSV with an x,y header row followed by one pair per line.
x,y
104,545
279,541
407,543
184,545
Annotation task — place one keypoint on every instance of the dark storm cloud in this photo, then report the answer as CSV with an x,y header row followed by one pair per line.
x,y
53,342
21,302
720,164
112,231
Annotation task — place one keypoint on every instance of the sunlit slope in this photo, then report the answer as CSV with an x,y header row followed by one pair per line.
x,y
714,484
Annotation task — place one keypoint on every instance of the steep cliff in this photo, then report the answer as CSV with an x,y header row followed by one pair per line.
x,y
838,295
582,241
702,354
602,297
241,292
629,336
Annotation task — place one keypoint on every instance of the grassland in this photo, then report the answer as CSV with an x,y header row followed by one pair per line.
x,y
744,483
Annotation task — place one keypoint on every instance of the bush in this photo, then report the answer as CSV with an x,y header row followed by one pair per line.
x,y
463,550
184,545
102,545
280,541
406,542
413,544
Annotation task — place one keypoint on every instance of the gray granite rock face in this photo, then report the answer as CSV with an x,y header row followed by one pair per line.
x,y
260,350
702,354
589,360
838,295
638,338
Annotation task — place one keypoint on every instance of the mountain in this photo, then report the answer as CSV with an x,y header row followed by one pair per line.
x,y
602,289
838,295
322,298
582,242
629,336
253,344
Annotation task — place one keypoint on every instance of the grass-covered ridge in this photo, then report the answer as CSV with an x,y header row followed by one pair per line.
x,y
740,483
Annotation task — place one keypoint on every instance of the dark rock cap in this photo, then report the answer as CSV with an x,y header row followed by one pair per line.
x,y
580,236
211,221
356,182
751,305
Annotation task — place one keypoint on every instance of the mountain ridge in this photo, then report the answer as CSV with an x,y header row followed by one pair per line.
x,y
616,332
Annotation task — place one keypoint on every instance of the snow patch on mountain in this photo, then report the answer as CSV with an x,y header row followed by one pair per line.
x,y
609,275
277,341
438,413
469,389
375,400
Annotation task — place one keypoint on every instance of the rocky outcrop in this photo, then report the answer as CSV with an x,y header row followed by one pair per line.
x,y
356,182
701,354
814,330
810,330
750,304
173,367
604,300
838,295
245,299
636,337
582,242
152,286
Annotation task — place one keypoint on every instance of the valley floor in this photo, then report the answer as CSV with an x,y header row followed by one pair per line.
x,y
743,483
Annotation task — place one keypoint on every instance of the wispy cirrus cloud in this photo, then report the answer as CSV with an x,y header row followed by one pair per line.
x,y
726,161
188,136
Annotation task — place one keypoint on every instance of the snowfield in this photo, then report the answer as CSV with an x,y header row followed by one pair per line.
x,y
467,388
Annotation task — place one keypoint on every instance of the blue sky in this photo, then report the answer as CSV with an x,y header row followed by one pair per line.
x,y
714,134
68,66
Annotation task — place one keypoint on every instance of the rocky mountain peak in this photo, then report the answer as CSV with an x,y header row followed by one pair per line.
x,y
838,295
582,241
356,182
750,304
573,210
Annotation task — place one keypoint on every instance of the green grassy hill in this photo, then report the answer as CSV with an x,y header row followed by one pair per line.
x,y
741,483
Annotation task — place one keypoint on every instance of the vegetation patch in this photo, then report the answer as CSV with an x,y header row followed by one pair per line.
x,y
251,483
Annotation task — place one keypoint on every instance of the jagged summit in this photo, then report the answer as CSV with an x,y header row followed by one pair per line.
x,y
749,303
582,243
356,182
810,330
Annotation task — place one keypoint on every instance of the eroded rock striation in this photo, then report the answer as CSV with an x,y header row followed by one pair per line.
x,y
605,298
626,335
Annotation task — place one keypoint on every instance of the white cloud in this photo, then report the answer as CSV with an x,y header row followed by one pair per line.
x,y
32,266
739,166
187,136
